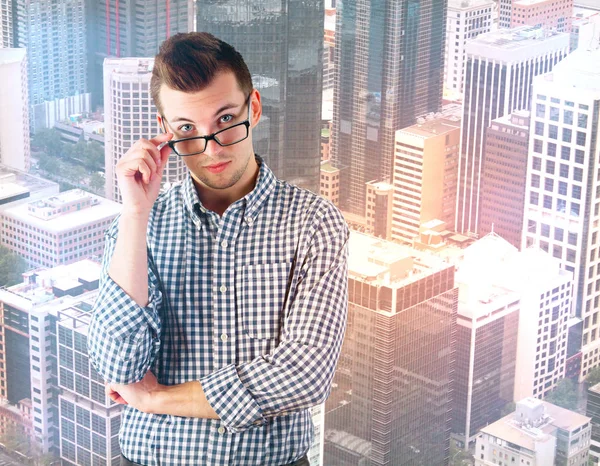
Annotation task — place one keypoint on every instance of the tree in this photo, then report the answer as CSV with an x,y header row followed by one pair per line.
x,y
564,395
508,408
48,141
11,267
593,377
94,156
459,457
97,182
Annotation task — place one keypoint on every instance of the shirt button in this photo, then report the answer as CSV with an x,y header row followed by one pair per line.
x,y
223,288
224,336
249,220
221,430
224,244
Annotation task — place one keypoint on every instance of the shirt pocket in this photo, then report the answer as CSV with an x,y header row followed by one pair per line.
x,y
262,298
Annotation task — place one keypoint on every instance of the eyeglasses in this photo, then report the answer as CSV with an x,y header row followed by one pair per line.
x,y
185,147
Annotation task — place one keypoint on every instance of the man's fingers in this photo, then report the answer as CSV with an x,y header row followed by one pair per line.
x,y
160,138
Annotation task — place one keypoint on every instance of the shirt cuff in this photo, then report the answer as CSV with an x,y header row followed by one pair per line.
x,y
232,402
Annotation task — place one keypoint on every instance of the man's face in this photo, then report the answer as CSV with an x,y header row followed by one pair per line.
x,y
218,106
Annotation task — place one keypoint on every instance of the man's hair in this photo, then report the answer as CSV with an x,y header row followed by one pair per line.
x,y
189,61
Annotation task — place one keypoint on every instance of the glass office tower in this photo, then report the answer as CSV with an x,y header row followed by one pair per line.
x,y
282,44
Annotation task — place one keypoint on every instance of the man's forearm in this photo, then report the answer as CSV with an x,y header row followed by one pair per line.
x,y
129,263
186,400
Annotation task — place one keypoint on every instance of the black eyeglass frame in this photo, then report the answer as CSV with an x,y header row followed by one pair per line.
x,y
212,136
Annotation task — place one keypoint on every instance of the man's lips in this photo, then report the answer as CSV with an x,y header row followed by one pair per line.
x,y
218,168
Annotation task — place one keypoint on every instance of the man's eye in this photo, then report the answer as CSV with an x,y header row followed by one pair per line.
x,y
185,128
226,118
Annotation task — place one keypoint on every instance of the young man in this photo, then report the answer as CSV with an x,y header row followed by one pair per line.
x,y
222,337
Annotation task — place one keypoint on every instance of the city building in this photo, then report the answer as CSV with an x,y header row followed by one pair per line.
x,y
592,410
6,24
498,74
60,229
424,175
495,278
504,175
585,29
14,111
282,44
54,34
379,205
562,213
538,433
131,28
29,313
329,50
391,398
330,182
466,20
486,342
89,419
130,114
389,71
17,187
549,14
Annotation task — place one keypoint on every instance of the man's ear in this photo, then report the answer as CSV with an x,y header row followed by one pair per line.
x,y
161,123
256,104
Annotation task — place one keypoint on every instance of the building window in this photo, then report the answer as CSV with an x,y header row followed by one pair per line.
x,y
553,131
567,135
580,138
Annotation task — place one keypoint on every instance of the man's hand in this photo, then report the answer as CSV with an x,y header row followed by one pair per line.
x,y
186,399
139,395
139,173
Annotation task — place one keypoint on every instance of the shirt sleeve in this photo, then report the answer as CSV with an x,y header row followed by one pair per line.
x,y
123,337
298,373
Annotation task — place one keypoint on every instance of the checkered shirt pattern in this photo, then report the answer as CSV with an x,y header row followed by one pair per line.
x,y
257,312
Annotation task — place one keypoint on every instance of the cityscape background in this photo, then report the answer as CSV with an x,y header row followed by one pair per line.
x,y
461,140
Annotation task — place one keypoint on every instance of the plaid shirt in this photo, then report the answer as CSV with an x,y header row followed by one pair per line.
x,y
257,309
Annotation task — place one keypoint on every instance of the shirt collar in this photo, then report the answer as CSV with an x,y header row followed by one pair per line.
x,y
265,183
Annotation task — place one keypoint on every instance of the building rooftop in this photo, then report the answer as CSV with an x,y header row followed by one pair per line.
x,y
39,286
382,262
28,213
129,66
430,128
517,44
11,55
328,168
15,182
579,70
527,432
530,2
587,4
469,4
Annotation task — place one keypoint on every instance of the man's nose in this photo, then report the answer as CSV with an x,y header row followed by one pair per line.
x,y
212,147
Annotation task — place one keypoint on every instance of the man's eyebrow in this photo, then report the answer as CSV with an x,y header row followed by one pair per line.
x,y
222,109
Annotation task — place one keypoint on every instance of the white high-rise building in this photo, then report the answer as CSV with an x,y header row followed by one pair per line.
x,y
511,329
59,229
466,20
498,73
130,114
562,208
6,24
14,112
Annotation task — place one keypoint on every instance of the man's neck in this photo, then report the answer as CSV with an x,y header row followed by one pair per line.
x,y
219,200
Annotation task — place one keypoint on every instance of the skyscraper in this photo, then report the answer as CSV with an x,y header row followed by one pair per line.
x,y
130,114
503,177
562,212
425,161
500,67
282,44
54,34
390,66
393,383
132,28
14,110
6,24
466,20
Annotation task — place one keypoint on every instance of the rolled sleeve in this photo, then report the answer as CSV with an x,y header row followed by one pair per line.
x,y
123,337
298,373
